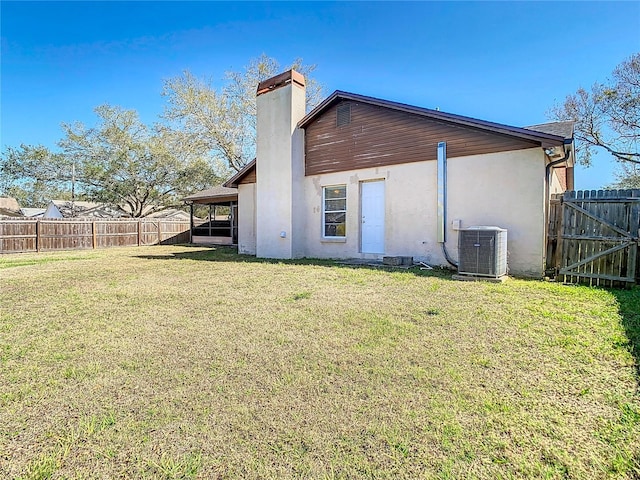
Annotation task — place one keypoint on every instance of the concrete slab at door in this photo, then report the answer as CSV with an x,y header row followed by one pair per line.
x,y
372,216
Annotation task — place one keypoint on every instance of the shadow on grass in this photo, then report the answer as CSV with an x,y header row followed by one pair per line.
x,y
629,308
229,254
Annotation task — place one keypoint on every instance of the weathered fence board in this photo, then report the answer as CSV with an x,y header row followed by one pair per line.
x,y
35,235
593,237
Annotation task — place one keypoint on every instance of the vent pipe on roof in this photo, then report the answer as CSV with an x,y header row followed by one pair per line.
x,y
442,194
442,201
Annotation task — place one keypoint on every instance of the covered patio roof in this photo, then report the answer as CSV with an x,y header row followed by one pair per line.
x,y
211,195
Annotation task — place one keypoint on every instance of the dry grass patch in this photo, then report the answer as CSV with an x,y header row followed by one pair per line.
x,y
187,362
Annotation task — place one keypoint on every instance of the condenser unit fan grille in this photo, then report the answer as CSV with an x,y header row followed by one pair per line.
x,y
482,251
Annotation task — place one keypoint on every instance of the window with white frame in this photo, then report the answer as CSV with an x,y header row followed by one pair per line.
x,y
334,211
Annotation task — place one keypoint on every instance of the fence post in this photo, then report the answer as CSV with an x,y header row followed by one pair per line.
x,y
159,232
37,235
139,232
93,234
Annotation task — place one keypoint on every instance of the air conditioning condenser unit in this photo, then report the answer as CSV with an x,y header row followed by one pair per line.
x,y
482,251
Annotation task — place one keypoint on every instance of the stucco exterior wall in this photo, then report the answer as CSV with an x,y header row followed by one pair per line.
x,y
299,217
279,111
506,190
503,189
247,219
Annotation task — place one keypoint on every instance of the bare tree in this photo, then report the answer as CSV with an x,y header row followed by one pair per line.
x,y
627,176
223,120
608,116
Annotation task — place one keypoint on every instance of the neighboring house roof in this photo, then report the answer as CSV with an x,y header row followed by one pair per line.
x,y
32,212
9,213
170,213
103,210
546,139
214,194
68,209
237,178
9,207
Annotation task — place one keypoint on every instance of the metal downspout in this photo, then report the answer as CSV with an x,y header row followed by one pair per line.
x,y
442,201
547,203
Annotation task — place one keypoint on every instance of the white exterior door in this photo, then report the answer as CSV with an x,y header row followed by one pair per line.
x,y
372,216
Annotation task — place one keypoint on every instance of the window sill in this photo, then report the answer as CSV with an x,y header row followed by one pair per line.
x,y
333,240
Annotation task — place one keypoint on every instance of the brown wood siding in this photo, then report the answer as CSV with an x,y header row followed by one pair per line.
x,y
249,177
379,136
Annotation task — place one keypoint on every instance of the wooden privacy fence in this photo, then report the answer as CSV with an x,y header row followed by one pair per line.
x,y
30,235
593,237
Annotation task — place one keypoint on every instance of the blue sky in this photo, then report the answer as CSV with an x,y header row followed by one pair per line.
x,y
505,62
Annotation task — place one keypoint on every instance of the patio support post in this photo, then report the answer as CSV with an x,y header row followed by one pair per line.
x,y
191,223
210,220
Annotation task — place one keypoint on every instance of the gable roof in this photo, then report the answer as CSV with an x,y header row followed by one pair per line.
x,y
545,138
235,180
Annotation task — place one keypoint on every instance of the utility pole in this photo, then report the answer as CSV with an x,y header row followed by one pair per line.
x,y
73,189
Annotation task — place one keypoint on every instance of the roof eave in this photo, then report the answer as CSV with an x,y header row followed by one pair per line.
x,y
211,199
545,139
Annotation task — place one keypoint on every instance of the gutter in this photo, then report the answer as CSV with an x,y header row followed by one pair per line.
x,y
547,203
567,152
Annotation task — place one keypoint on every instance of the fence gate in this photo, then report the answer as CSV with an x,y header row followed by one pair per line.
x,y
150,232
597,236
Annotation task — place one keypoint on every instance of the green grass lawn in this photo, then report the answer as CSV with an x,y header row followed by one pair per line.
x,y
189,362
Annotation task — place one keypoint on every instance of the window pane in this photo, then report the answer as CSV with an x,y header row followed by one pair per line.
x,y
335,230
334,218
333,205
335,192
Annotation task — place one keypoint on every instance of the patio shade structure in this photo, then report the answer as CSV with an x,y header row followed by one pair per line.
x,y
220,226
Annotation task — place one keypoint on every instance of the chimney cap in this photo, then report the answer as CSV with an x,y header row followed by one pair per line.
x,y
280,80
